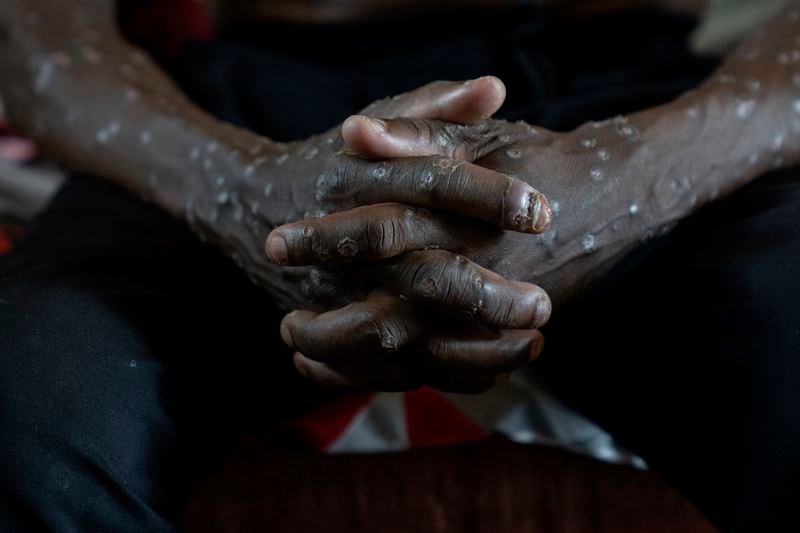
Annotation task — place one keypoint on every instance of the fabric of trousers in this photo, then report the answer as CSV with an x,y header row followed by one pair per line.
x,y
131,353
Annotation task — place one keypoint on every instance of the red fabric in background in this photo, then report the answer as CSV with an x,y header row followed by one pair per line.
x,y
8,235
322,425
432,420
163,27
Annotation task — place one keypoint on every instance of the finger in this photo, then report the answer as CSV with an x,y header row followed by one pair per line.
x,y
457,286
455,361
465,349
440,183
372,232
381,324
461,102
321,374
375,138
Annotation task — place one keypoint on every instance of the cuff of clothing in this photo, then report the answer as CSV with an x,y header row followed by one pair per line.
x,y
727,22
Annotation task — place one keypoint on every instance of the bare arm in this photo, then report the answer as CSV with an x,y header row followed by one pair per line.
x,y
98,104
102,107
620,182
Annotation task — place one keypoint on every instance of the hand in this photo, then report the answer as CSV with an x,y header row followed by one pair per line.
x,y
384,341
296,180
389,344
594,177
602,207
411,351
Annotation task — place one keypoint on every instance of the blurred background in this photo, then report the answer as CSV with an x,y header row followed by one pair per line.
x,y
26,183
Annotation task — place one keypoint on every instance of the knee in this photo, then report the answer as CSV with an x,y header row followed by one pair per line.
x,y
81,406
66,356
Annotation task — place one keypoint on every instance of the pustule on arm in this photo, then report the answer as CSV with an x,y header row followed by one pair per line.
x,y
628,179
100,106
745,119
740,123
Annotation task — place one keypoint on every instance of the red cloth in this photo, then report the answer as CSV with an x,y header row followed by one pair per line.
x,y
424,417
324,424
431,419
8,235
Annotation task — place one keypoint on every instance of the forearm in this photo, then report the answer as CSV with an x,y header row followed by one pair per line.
x,y
742,122
99,106
637,176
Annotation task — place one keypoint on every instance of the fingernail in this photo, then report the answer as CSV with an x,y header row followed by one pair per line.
x,y
537,346
286,335
378,125
526,209
541,212
300,364
277,249
543,309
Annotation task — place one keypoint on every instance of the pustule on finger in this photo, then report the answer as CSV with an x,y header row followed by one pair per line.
x,y
525,209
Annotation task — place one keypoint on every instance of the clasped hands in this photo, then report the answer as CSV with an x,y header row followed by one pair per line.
x,y
413,206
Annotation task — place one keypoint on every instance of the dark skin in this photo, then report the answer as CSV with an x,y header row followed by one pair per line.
x,y
613,185
232,186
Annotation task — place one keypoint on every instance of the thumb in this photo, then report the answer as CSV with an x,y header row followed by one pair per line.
x,y
451,101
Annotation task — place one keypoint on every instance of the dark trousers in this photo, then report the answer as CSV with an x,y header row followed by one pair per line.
x,y
131,353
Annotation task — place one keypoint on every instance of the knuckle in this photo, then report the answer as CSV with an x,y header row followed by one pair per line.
x,y
452,140
423,131
386,237
426,276
394,333
438,175
370,329
341,183
501,311
441,350
457,283
479,140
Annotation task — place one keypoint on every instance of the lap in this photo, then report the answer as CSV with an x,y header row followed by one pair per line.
x,y
688,353
131,355
127,344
